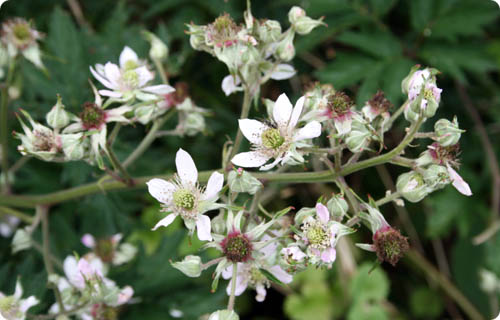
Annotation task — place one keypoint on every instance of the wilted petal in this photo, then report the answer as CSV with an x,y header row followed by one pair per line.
x,y
309,131
203,228
186,169
161,190
252,130
283,71
214,185
127,54
322,212
458,182
282,111
343,124
165,221
249,159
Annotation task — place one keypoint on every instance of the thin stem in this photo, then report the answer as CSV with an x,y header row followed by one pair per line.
x,y
417,260
118,166
161,70
247,99
425,135
388,198
9,211
19,164
54,316
148,139
230,304
114,133
4,129
43,211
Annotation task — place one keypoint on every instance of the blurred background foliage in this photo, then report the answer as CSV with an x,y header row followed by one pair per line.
x,y
368,45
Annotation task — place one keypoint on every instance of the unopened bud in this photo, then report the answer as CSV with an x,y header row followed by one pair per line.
x,y
295,14
224,315
159,50
74,146
197,36
190,266
57,117
269,31
243,182
412,187
194,123
359,137
436,176
285,50
390,245
447,132
337,206
21,241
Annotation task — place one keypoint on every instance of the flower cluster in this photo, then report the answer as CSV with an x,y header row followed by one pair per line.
x,y
13,307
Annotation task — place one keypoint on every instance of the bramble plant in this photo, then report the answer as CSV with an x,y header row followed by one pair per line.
x,y
323,130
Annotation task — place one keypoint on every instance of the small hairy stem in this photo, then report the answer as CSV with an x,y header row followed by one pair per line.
x,y
247,101
148,139
230,304
9,211
448,287
43,211
424,135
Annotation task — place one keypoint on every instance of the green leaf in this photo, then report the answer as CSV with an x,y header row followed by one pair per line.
x,y
421,12
378,44
366,310
346,69
446,206
368,285
426,303
382,7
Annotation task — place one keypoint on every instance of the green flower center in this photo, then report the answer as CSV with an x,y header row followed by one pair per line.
x,y
223,23
131,78
9,307
317,235
22,32
256,276
428,94
236,247
272,139
130,65
6,303
184,199
92,116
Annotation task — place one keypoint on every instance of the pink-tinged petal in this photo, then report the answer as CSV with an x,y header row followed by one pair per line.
x,y
161,190
282,72
458,182
101,79
297,111
113,74
252,130
261,292
117,114
125,295
343,124
109,93
282,111
165,221
309,131
203,228
28,303
295,252
127,54
160,89
249,159
186,169
144,76
281,274
88,240
328,255
231,84
214,185
70,267
227,273
322,212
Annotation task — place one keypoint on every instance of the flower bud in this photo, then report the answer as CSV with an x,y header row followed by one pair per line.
x,y
337,206
144,114
359,137
190,266
57,117
447,132
303,213
21,241
269,31
295,14
74,146
285,49
197,36
194,123
159,50
242,181
436,176
390,245
292,259
224,315
412,187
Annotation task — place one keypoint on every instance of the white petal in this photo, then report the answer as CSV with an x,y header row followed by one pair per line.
x,y
161,190
144,76
186,169
203,228
328,255
297,111
227,273
214,185
458,182
101,79
28,303
322,212
18,293
125,295
116,114
127,55
271,165
343,124
88,240
252,130
309,131
113,74
229,85
281,274
165,221
159,89
282,111
109,93
282,72
261,292
241,285
70,267
249,159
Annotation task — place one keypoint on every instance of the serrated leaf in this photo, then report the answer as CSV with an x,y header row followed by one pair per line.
x,y
378,44
345,70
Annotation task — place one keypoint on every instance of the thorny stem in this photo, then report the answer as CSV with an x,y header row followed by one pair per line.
x,y
4,134
43,211
247,100
230,304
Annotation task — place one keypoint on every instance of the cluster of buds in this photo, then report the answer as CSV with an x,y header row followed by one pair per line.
x,y
254,51
423,94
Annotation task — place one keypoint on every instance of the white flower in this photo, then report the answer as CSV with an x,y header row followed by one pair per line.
x,y
183,196
278,139
13,307
128,80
